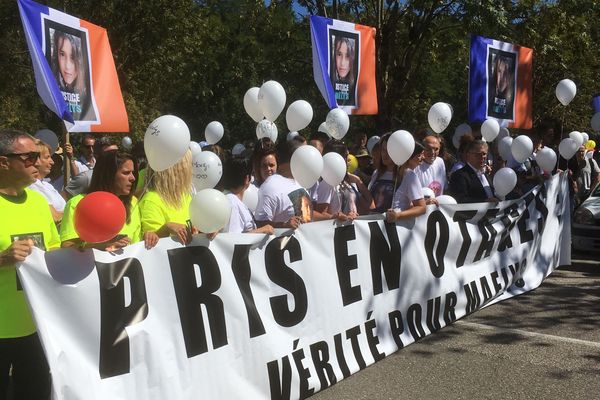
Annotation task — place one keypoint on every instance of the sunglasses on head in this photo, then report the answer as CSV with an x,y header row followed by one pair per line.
x,y
27,158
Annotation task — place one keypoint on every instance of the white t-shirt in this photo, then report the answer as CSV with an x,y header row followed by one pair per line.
x,y
344,192
280,198
49,192
241,219
410,189
433,175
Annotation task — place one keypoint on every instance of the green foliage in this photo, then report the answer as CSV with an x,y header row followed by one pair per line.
x,y
196,59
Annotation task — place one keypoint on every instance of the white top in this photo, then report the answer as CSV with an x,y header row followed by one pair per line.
x,y
433,175
241,219
410,189
83,165
345,193
280,198
50,193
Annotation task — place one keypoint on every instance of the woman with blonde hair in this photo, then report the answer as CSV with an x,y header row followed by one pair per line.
x,y
41,185
165,205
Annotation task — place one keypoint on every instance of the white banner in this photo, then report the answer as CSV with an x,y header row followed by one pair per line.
x,y
255,317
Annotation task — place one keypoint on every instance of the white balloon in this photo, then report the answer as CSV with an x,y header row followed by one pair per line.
x,y
400,146
337,123
266,128
546,159
428,192
306,165
213,132
334,168
504,145
505,181
577,137
504,132
521,148
166,141
292,135
298,115
490,129
238,149
445,199
567,148
207,170
373,140
195,148
251,104
126,142
210,210
439,116
586,137
250,198
323,128
566,91
459,132
271,99
596,122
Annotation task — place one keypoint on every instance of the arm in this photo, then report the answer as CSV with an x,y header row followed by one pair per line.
x,y
417,208
365,201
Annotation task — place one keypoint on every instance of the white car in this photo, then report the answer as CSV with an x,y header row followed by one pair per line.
x,y
585,231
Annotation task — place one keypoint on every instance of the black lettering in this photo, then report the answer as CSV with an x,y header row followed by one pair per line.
x,y
526,234
115,315
319,352
352,334
303,374
373,340
345,263
449,305
339,353
190,296
540,205
505,239
383,256
473,299
414,317
497,285
240,265
287,278
280,388
396,327
433,314
488,234
462,217
485,289
436,221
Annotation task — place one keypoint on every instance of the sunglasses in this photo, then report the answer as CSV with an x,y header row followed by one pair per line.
x,y
27,158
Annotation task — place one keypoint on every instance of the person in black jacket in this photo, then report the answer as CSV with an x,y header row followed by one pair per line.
x,y
470,184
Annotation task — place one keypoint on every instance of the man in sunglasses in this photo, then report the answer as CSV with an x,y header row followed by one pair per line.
x,y
87,159
26,223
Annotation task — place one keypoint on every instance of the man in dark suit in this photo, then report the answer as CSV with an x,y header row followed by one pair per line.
x,y
470,184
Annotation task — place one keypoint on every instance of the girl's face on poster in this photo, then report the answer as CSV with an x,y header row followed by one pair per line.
x,y
342,60
502,77
66,61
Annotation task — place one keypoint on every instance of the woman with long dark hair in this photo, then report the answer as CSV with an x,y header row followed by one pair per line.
x,y
115,172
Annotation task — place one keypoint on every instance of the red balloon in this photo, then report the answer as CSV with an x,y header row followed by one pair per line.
x,y
99,217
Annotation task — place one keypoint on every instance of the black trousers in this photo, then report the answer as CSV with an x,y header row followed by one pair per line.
x,y
30,372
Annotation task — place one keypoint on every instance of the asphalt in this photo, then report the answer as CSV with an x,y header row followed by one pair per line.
x,y
544,344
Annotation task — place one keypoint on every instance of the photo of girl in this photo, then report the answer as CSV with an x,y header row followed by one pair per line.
x,y
344,66
67,57
501,84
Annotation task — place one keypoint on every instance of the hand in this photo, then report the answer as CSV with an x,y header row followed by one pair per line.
x,y
390,216
16,252
294,222
212,235
179,230
150,239
68,150
267,229
492,200
431,200
118,244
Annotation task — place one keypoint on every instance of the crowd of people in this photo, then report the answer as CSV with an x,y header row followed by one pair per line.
x,y
37,207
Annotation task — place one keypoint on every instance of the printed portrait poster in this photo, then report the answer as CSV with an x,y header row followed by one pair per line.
x,y
344,64
500,83
74,69
66,50
302,204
